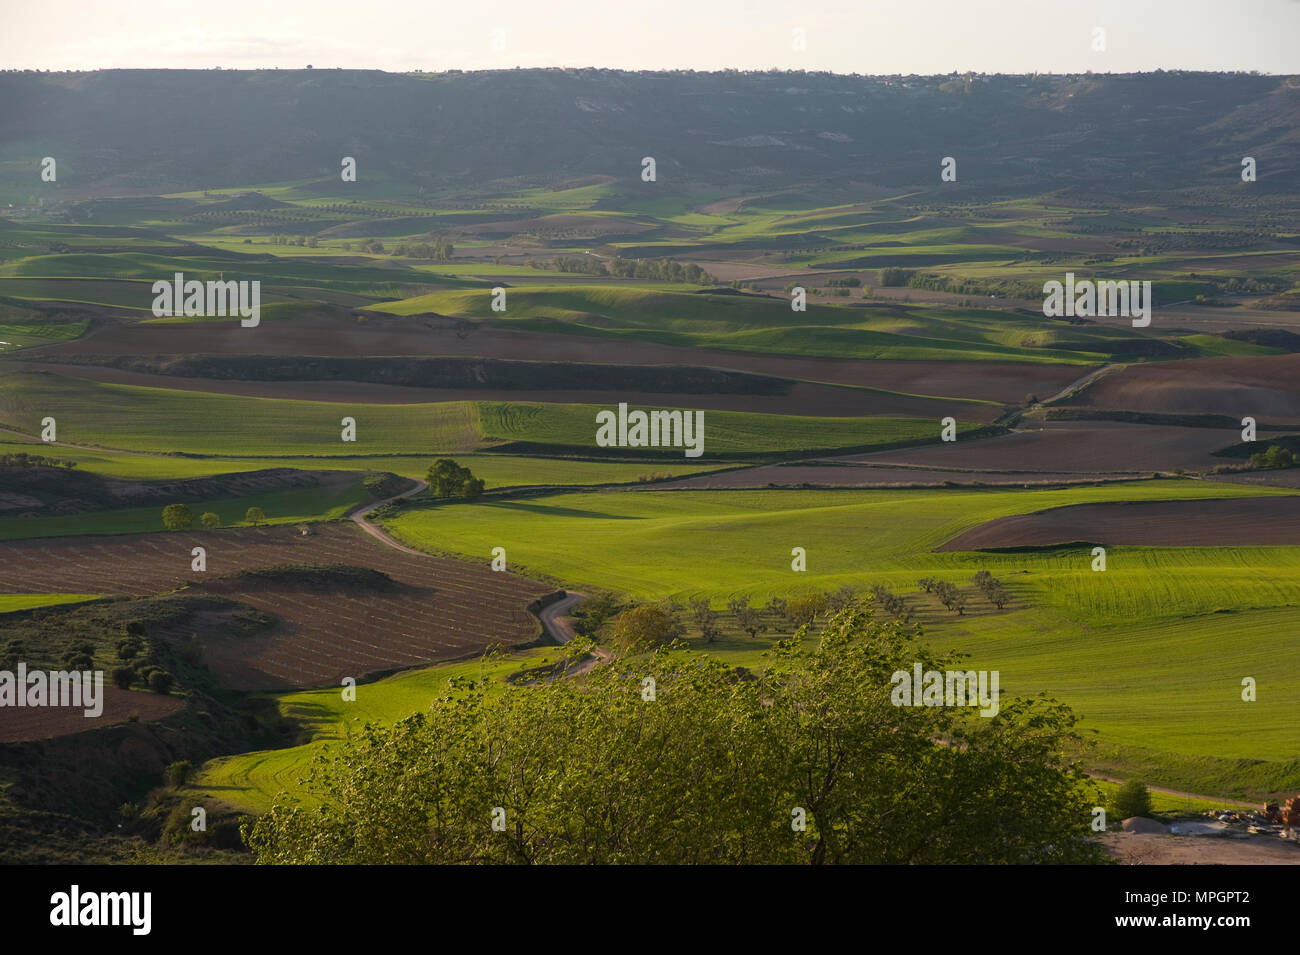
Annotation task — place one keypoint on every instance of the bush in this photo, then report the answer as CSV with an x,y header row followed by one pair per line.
x,y
123,677
805,609
177,517
160,681
210,520
645,628
179,773
1131,799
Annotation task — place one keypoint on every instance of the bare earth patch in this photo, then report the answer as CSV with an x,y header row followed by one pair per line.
x,y
441,608
20,724
1204,523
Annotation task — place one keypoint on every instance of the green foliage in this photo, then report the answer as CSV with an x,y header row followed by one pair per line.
x,y
179,773
160,681
1275,457
896,278
1131,799
255,515
210,520
647,627
177,517
711,771
447,479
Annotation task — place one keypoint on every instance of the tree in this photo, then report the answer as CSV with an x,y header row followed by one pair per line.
x,y
210,520
723,761
160,681
750,621
1131,799
179,773
255,516
592,614
777,608
806,608
705,618
646,627
841,598
998,595
447,479
177,517
123,677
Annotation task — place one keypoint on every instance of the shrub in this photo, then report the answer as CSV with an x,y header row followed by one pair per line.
x,y
210,520
806,608
1131,799
179,773
160,681
177,517
123,677
646,627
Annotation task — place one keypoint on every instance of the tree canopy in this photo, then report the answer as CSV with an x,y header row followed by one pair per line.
x,y
715,768
448,479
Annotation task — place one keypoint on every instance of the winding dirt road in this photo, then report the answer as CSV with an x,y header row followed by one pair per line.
x,y
554,618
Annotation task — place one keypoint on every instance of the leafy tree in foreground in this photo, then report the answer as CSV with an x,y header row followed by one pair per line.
x,y
712,770
255,516
177,517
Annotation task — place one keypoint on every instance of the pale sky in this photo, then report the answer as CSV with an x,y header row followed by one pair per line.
x,y
844,36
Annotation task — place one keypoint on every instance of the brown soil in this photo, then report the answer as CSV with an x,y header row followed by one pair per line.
x,y
793,475
1132,848
443,608
1080,447
1263,387
802,399
46,722
1206,523
1003,382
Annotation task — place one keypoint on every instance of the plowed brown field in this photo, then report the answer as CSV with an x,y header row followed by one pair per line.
x,y
20,724
1205,523
442,609
1265,387
1006,382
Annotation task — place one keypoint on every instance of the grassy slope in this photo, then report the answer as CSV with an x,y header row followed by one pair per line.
x,y
11,602
498,470
162,420
252,780
281,507
1152,651
767,324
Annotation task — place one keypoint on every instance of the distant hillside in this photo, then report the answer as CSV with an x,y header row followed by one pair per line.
x,y
155,131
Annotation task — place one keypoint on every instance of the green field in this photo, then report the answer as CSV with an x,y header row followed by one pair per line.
x,y
11,602
161,420
252,780
292,506
497,470
767,324
1152,651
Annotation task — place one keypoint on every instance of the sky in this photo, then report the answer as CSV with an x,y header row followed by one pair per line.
x,y
843,36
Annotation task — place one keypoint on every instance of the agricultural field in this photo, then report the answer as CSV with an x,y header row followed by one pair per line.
x,y
280,540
